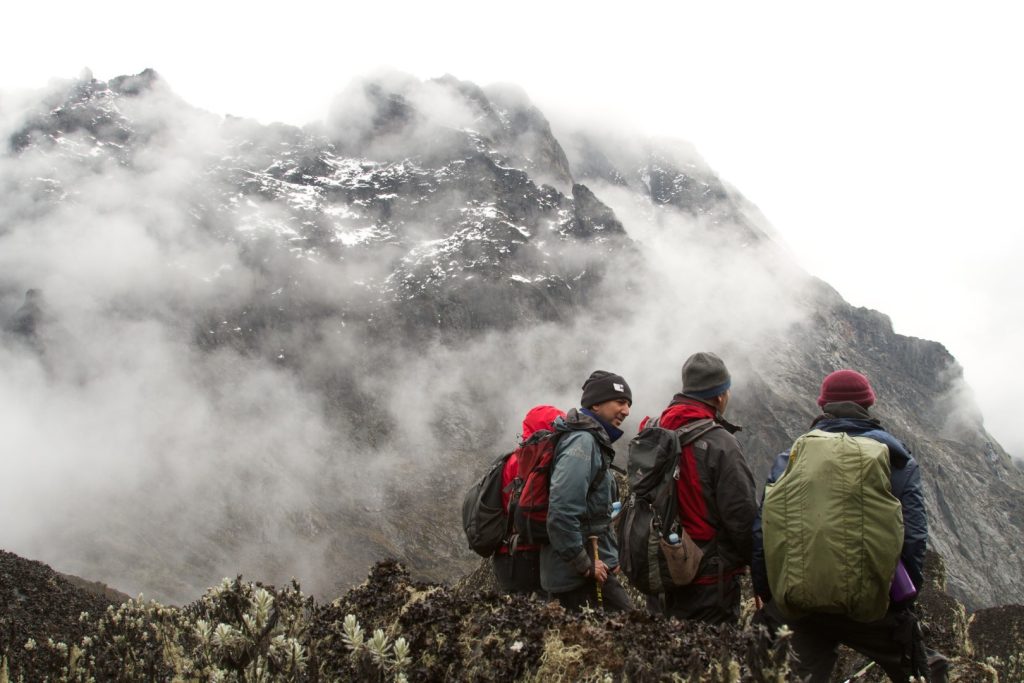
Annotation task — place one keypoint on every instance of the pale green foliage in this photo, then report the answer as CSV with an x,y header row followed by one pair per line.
x,y
353,632
401,654
1015,667
257,639
237,632
387,657
1010,669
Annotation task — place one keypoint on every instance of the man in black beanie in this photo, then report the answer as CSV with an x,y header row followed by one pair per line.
x,y
715,492
581,495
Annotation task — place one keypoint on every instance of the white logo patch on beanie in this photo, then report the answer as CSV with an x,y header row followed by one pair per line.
x,y
618,387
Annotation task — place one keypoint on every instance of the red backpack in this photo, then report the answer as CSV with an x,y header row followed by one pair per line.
x,y
529,503
532,488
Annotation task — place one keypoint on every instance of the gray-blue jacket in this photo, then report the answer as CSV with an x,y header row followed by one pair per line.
x,y
580,504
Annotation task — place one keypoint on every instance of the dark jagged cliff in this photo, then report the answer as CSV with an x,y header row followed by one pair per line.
x,y
322,333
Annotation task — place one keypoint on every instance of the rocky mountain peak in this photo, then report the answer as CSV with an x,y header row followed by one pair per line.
x,y
86,105
410,117
137,84
348,319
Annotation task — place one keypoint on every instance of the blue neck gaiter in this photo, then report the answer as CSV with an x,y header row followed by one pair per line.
x,y
613,433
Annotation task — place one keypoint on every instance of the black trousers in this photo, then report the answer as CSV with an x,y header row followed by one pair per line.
x,y
716,603
613,597
519,572
770,617
889,642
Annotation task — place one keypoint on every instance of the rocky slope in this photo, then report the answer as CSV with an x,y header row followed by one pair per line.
x,y
322,333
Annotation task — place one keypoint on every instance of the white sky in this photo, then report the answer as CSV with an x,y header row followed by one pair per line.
x,y
883,140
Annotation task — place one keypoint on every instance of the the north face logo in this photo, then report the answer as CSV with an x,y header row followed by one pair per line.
x,y
618,387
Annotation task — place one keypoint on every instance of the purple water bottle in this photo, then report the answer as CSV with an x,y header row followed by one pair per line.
x,y
902,587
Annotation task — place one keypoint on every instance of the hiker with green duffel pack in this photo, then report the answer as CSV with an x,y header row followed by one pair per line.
x,y
840,540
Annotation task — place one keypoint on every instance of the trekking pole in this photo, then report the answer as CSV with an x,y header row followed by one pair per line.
x,y
597,584
860,673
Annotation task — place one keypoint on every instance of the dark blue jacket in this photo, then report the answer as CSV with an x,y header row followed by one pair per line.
x,y
906,487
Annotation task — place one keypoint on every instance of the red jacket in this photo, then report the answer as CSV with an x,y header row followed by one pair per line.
x,y
715,491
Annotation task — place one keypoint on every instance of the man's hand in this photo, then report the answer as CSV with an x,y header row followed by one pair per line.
x,y
599,571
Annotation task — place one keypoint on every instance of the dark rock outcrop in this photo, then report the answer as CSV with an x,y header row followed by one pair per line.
x,y
39,604
997,637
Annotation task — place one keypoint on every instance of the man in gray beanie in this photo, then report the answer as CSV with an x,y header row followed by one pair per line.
x,y
715,492
580,502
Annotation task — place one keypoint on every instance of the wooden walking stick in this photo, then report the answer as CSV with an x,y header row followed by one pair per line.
x,y
597,584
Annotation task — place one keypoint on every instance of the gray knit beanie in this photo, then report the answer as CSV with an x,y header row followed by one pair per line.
x,y
705,376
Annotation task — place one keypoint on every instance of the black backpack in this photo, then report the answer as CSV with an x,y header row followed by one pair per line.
x,y
484,518
650,514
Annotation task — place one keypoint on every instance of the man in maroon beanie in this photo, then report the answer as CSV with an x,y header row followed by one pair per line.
x,y
892,642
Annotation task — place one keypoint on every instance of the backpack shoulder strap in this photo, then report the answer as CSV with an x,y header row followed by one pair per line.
x,y
691,431
597,477
687,434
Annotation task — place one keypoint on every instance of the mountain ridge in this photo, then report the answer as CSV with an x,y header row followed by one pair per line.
x,y
389,286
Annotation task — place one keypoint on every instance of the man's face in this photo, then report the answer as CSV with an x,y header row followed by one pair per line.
x,y
723,401
613,412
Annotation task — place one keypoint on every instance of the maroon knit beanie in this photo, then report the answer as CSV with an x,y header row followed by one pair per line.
x,y
846,385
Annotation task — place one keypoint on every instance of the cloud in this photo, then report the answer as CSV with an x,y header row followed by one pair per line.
x,y
391,116
209,402
127,441
702,290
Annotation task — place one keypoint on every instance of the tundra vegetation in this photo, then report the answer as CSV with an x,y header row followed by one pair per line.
x,y
394,628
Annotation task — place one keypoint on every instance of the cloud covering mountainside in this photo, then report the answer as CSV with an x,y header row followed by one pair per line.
x,y
285,351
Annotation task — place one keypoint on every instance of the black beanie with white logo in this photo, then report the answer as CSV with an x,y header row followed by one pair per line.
x,y
604,386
